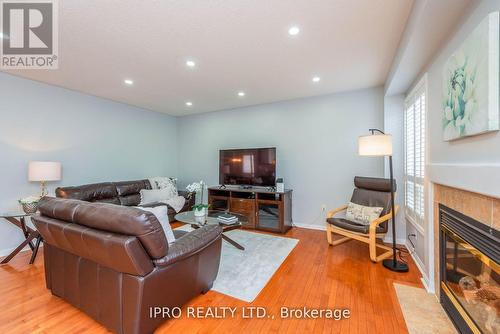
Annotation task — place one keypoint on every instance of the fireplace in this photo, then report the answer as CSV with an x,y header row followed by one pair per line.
x,y
469,272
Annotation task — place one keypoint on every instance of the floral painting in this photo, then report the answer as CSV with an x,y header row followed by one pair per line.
x,y
470,85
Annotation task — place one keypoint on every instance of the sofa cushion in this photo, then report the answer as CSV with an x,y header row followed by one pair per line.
x,y
97,192
128,191
120,193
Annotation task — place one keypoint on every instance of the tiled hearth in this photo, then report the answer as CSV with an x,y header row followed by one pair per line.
x,y
469,233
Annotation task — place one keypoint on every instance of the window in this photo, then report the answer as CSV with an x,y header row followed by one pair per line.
x,y
415,110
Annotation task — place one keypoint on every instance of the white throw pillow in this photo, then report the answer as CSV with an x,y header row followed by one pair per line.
x,y
149,196
363,215
164,183
161,213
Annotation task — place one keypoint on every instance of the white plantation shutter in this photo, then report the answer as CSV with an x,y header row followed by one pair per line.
x,y
415,110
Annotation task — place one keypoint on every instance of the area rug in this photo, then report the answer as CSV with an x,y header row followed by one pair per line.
x,y
422,312
243,274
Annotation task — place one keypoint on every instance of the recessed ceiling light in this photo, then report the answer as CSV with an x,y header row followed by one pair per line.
x,y
189,104
190,63
129,82
294,30
316,79
241,94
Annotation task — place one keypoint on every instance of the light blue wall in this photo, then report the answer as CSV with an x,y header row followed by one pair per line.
x,y
316,140
100,140
94,139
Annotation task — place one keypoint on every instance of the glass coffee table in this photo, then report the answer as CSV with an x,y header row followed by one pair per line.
x,y
188,217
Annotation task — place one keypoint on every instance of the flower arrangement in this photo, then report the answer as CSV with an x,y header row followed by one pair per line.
x,y
198,187
29,204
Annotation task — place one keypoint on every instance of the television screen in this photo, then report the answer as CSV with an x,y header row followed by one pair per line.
x,y
254,166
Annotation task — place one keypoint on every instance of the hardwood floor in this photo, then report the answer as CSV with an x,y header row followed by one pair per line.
x,y
314,275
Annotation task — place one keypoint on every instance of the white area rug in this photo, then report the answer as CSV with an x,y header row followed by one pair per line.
x,y
243,274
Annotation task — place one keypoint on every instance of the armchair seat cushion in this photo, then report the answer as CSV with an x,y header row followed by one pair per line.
x,y
352,226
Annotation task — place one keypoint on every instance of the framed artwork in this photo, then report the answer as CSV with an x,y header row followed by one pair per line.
x,y
471,83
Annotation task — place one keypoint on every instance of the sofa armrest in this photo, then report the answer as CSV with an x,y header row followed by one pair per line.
x,y
190,244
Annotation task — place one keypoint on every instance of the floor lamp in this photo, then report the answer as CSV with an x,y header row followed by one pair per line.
x,y
376,145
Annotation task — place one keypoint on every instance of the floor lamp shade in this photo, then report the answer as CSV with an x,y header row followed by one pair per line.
x,y
375,145
44,171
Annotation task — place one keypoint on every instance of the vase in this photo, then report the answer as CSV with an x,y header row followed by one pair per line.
x,y
199,213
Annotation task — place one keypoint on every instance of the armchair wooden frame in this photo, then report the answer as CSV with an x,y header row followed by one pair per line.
x,y
370,238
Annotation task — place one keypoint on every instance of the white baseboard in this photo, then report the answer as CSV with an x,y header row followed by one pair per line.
x,y
310,226
399,241
420,266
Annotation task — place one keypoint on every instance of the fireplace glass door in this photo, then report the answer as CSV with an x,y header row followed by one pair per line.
x,y
472,280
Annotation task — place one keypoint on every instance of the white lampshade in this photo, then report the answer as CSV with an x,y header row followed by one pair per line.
x,y
375,145
44,171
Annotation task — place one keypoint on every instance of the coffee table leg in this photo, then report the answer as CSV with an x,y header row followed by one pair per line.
x,y
26,232
232,242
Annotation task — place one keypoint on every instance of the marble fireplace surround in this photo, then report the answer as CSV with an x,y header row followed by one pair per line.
x,y
482,208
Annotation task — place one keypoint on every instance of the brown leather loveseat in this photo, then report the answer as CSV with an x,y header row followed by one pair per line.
x,y
114,263
126,193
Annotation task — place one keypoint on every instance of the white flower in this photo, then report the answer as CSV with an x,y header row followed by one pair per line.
x,y
195,186
29,200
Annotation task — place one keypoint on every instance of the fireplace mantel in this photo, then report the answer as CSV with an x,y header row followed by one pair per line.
x,y
478,178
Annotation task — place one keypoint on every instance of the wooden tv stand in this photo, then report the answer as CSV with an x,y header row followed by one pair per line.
x,y
266,210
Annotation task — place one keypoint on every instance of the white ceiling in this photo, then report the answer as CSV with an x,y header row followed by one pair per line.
x,y
237,45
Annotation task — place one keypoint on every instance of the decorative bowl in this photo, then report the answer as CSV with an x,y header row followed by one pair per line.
x,y
30,208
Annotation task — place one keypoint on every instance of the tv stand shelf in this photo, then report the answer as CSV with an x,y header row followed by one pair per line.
x,y
266,210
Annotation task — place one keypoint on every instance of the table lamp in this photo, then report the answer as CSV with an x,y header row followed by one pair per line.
x,y
44,171
376,145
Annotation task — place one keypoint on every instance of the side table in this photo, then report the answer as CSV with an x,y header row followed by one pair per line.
x,y
18,219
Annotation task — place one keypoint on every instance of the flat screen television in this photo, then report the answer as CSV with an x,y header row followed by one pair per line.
x,y
252,167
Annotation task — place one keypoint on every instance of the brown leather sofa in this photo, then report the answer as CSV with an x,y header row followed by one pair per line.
x,y
125,193
114,263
